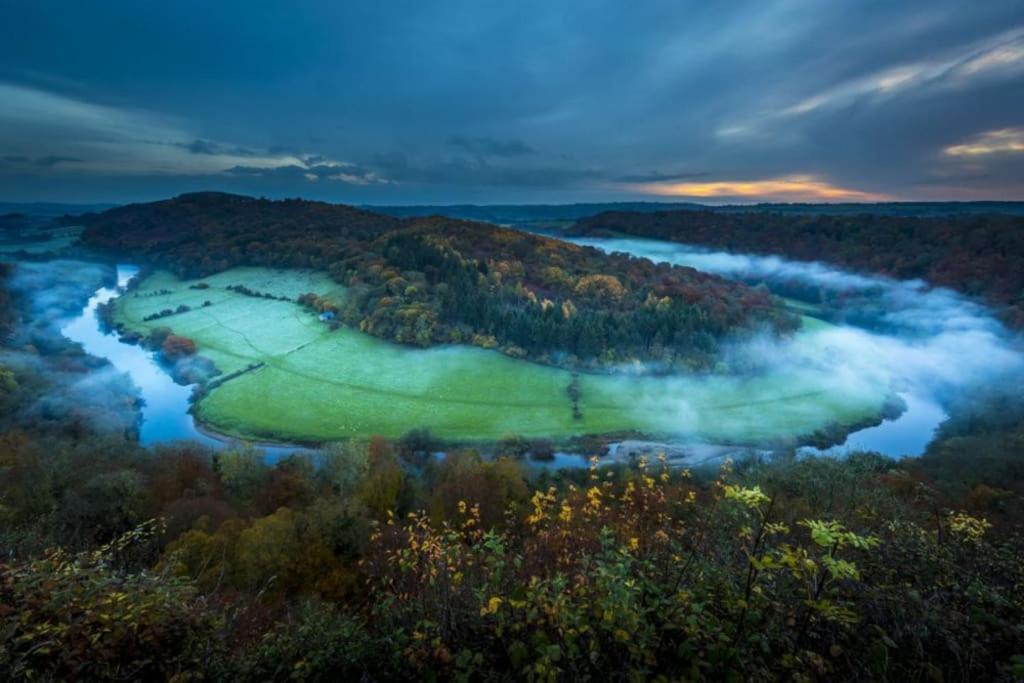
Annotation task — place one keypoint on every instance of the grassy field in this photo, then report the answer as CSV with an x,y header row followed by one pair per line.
x,y
319,384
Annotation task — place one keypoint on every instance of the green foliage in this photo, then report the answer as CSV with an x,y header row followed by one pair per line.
x,y
794,569
83,617
243,471
344,466
316,643
638,578
282,554
8,382
385,481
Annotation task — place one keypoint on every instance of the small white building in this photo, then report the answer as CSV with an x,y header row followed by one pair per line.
x,y
326,315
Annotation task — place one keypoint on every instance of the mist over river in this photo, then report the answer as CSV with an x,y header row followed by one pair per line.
x,y
930,344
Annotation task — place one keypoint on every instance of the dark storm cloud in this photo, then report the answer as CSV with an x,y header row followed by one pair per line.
x,y
530,101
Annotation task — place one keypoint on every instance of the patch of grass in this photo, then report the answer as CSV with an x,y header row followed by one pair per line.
x,y
319,384
234,330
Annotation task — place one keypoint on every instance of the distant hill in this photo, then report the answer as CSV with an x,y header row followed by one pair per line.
x,y
525,213
213,221
51,209
521,213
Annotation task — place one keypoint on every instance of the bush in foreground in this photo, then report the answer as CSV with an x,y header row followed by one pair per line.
x,y
795,570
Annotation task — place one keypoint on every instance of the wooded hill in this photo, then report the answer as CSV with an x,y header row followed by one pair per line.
x,y
979,255
434,280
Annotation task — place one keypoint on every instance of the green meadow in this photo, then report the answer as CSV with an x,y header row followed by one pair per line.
x,y
318,384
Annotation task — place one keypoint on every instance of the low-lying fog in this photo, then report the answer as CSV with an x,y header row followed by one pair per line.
x,y
932,345
69,387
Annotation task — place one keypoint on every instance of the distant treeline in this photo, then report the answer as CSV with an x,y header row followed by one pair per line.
x,y
536,213
438,280
979,255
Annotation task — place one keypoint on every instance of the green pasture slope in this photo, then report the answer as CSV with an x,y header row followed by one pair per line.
x,y
318,384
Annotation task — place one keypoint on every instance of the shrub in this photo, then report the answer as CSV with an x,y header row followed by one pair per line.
x,y
175,347
317,643
80,617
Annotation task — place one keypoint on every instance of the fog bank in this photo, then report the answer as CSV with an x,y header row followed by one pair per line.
x,y
930,345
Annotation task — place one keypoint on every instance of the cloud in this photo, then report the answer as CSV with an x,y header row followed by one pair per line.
x,y
55,132
212,148
53,160
949,73
1000,57
333,171
45,162
489,147
585,105
787,188
478,172
658,177
53,127
1003,141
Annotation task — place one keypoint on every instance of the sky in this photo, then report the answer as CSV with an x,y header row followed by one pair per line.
x,y
513,102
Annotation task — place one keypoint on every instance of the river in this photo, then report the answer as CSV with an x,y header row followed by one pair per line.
x,y
165,403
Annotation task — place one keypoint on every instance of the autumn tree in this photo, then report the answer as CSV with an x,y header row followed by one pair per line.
x,y
382,488
175,347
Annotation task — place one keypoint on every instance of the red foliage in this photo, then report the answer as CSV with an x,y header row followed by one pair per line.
x,y
176,347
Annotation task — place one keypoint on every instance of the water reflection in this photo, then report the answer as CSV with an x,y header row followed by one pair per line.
x,y
907,435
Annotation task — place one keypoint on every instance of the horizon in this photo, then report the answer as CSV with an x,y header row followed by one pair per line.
x,y
6,205
403,105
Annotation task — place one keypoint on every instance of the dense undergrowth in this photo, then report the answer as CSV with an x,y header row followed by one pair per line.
x,y
179,563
